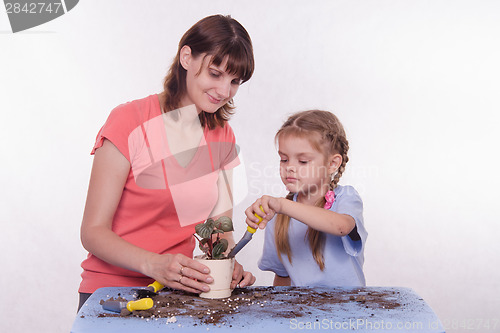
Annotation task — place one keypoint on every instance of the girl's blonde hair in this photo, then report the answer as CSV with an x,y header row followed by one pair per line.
x,y
217,36
330,139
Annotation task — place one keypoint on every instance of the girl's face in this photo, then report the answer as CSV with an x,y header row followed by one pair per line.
x,y
303,169
208,87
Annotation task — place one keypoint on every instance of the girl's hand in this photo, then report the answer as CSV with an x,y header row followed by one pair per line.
x,y
270,207
179,272
240,277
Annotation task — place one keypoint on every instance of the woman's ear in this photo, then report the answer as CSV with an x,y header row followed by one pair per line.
x,y
185,56
334,163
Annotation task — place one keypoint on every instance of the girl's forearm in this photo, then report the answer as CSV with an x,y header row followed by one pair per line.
x,y
318,218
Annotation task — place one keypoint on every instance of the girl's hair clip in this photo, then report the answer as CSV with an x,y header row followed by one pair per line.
x,y
330,199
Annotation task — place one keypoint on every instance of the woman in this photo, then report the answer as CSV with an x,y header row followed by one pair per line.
x,y
163,164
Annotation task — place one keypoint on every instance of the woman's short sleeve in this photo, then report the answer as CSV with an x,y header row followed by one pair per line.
x,y
228,149
349,202
270,260
117,129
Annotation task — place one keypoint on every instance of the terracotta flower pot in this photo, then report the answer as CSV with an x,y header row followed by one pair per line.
x,y
222,272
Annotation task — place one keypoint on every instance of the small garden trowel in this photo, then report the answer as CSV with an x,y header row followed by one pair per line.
x,y
245,239
118,306
149,291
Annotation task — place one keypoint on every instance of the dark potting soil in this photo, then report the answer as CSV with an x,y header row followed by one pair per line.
x,y
271,302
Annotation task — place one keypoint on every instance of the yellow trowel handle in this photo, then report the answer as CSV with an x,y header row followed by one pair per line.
x,y
142,304
157,286
249,228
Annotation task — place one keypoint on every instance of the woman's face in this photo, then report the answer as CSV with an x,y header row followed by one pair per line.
x,y
208,87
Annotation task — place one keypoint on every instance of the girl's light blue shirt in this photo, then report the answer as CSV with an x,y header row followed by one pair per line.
x,y
343,257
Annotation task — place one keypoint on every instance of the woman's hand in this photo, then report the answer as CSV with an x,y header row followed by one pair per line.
x,y
270,207
179,272
240,277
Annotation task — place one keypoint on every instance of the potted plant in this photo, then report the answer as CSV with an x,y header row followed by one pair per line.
x,y
221,267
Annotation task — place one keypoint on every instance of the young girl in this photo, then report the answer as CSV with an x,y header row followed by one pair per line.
x,y
318,236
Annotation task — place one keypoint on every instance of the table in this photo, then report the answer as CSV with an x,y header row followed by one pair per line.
x,y
268,309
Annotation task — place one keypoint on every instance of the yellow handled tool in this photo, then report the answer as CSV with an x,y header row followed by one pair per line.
x,y
117,306
246,237
156,286
252,230
150,290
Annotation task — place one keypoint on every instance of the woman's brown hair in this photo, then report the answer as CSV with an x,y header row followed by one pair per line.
x,y
217,36
331,140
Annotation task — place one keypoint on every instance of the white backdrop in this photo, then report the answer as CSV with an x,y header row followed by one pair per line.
x,y
415,83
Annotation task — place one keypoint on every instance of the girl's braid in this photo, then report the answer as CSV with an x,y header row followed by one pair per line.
x,y
342,148
336,140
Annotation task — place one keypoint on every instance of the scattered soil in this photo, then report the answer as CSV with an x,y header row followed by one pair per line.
x,y
274,302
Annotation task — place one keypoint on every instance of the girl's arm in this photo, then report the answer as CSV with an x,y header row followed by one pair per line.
x,y
317,218
109,173
281,281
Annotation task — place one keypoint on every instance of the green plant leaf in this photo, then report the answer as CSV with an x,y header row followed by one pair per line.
x,y
219,248
205,230
225,223
203,245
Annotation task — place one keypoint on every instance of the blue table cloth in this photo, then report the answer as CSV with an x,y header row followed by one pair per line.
x,y
268,309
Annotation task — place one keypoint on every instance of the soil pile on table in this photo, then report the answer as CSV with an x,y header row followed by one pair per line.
x,y
269,301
